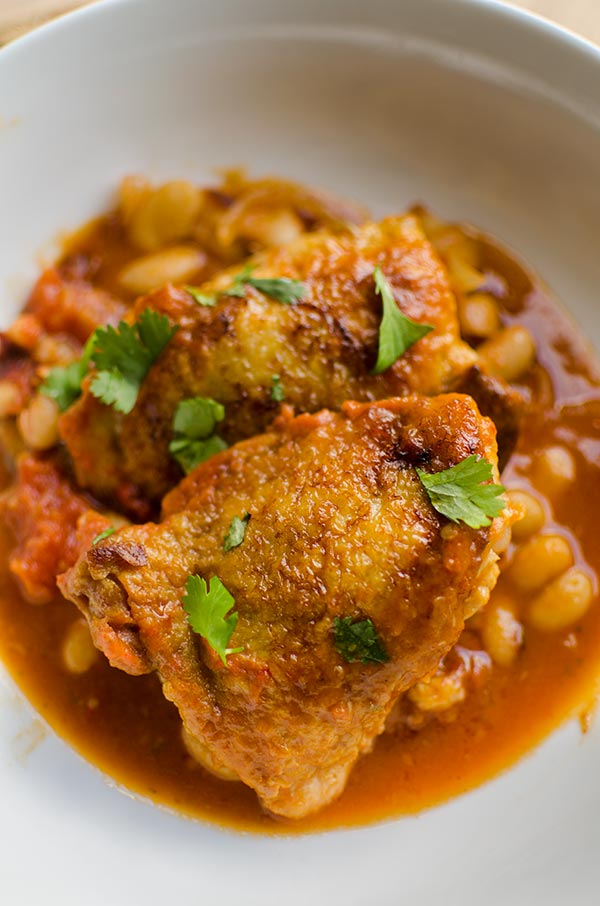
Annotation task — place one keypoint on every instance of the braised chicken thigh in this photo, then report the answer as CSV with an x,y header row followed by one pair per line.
x,y
321,345
347,586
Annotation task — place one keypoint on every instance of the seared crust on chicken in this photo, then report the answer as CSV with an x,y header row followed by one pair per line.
x,y
500,402
323,348
340,526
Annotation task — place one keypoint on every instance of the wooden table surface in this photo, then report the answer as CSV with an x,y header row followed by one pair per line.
x,y
18,16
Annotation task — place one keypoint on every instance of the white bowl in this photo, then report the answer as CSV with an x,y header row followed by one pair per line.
x,y
485,113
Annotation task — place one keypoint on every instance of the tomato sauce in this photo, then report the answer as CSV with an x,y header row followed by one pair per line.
x,y
124,725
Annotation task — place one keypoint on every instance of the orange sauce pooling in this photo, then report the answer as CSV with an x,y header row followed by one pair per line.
x,y
124,725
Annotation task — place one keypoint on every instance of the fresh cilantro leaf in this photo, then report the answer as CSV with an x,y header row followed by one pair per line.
x,y
132,348
206,607
105,534
236,532
277,391
459,494
190,453
155,332
194,425
115,389
123,357
397,332
197,417
358,641
63,383
282,289
200,297
237,287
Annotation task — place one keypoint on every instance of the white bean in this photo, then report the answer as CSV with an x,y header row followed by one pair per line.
x,y
272,228
38,423
563,602
166,216
555,470
509,354
479,316
501,632
78,651
532,516
174,265
538,561
132,192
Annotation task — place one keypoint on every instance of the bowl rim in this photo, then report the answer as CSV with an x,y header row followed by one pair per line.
x,y
550,59
505,10
531,24
532,27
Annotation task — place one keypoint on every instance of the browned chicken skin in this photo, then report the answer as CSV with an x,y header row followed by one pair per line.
x,y
323,348
340,527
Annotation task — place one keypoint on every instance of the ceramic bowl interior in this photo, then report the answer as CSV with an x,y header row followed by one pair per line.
x,y
479,111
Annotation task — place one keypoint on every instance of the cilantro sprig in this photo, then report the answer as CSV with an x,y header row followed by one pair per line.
x,y
201,298
397,332
282,289
123,357
63,383
194,425
461,494
105,534
358,641
277,391
236,532
207,607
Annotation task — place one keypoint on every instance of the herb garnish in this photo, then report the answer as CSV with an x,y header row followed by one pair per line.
x,y
201,298
105,534
282,289
206,607
397,332
124,356
277,391
358,641
194,426
459,494
63,383
236,532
